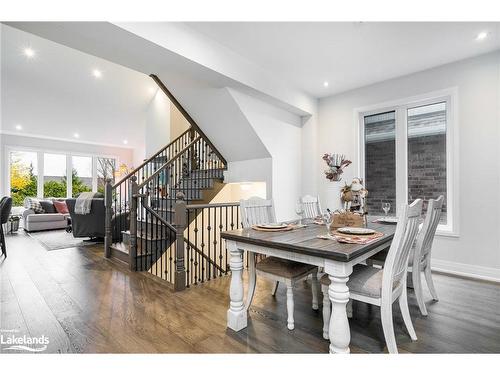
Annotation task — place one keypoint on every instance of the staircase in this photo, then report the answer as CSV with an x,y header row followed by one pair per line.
x,y
141,227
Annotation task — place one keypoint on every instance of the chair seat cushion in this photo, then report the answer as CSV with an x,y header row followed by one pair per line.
x,y
364,280
283,268
38,218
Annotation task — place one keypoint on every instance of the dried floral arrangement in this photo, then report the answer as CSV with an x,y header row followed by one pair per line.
x,y
336,164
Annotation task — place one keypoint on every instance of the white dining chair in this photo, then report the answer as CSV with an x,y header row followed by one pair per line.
x,y
420,255
311,206
260,211
381,287
420,259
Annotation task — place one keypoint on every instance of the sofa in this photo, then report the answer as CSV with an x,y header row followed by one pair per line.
x,y
48,220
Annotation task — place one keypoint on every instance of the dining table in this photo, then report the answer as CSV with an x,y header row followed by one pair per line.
x,y
303,244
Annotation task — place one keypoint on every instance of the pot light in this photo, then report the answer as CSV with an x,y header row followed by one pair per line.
x,y
18,127
325,84
97,73
125,142
151,90
482,35
29,53
76,135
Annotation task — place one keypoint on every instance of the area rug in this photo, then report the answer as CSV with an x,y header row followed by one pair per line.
x,y
58,239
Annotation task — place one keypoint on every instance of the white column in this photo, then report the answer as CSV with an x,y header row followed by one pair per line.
x,y
237,314
339,332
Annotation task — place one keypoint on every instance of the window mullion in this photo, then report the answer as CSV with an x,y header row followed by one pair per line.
x,y
401,158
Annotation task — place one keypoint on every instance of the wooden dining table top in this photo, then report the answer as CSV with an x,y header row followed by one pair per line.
x,y
305,240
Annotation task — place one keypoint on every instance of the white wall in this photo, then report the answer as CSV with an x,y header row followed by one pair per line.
x,y
477,249
124,155
157,129
280,132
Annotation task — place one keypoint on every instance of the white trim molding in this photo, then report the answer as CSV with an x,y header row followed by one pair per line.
x,y
466,270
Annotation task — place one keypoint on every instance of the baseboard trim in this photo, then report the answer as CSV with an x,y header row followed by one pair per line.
x,y
466,270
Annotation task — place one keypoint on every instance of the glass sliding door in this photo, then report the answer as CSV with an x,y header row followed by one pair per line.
x,y
427,153
54,176
81,175
23,175
380,161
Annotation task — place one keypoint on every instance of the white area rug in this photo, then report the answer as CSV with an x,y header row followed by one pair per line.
x,y
58,239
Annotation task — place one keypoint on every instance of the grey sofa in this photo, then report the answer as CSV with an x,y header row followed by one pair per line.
x,y
92,224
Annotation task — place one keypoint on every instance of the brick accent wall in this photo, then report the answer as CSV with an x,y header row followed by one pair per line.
x,y
426,172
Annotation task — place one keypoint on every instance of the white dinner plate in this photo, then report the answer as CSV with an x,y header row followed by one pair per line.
x,y
272,226
388,219
355,230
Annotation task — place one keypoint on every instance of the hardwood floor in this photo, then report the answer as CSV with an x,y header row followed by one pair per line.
x,y
87,304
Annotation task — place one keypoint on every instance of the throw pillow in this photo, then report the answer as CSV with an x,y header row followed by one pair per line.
x,y
61,207
48,206
33,204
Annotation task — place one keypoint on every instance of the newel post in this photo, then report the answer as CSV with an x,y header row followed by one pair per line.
x,y
180,224
108,204
132,254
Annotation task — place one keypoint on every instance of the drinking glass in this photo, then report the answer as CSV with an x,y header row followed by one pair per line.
x,y
299,210
327,219
386,207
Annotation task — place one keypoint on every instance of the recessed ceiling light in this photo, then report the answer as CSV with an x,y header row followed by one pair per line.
x,y
29,52
152,90
19,127
76,135
97,73
482,35
125,142
325,84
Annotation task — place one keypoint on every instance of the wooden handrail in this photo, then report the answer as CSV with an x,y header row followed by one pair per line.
x,y
187,116
130,174
165,165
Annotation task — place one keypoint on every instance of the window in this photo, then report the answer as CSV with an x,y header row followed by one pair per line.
x,y
380,161
81,175
54,176
406,153
23,176
35,173
106,168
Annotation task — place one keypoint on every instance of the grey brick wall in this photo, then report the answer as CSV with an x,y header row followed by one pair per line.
x,y
426,171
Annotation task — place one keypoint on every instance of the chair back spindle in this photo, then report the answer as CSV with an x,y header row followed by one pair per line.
x,y
425,238
311,205
396,265
256,210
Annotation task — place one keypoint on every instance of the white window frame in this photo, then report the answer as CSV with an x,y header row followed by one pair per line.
x,y
40,166
450,97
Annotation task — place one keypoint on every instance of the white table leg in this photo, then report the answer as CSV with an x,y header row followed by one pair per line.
x,y
339,332
237,314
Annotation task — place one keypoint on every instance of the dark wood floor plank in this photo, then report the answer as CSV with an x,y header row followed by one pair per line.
x,y
89,304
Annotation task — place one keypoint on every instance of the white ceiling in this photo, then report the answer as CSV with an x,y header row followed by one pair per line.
x,y
349,55
64,98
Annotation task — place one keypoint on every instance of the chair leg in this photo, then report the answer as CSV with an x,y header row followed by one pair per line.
x,y
275,288
2,242
251,280
416,276
430,283
327,311
403,305
315,291
348,308
388,327
289,305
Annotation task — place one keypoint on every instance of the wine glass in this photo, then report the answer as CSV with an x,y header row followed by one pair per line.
x,y
386,207
299,210
327,219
